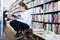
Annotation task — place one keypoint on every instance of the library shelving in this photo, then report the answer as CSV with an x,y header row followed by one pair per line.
x,y
49,16
46,15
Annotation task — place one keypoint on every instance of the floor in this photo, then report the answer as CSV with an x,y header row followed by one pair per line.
x,y
9,33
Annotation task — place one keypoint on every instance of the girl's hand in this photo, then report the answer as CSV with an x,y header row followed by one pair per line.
x,y
13,18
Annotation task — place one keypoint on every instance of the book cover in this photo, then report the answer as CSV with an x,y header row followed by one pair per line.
x,y
59,29
39,2
52,7
58,5
47,8
37,10
33,25
49,18
54,28
40,9
38,25
45,27
34,10
41,26
45,18
48,27
39,17
34,17
55,6
42,1
59,17
55,18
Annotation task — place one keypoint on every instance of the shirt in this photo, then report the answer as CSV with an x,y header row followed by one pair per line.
x,y
26,17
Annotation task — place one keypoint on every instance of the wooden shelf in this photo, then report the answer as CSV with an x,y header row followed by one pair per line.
x,y
46,22
52,12
38,35
36,6
50,1
37,14
46,13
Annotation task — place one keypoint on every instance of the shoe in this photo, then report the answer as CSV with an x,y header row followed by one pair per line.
x,y
18,34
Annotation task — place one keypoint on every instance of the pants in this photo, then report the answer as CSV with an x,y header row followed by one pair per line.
x,y
16,25
4,24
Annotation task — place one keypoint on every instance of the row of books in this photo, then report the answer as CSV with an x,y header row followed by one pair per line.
x,y
25,1
54,17
52,27
37,10
47,27
50,7
38,2
37,25
53,6
31,4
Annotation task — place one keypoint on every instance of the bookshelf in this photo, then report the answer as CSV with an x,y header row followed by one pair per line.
x,y
46,14
45,22
49,16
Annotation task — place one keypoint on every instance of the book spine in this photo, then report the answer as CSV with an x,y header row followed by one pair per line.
x,y
38,25
39,18
55,18
59,17
34,25
59,29
58,5
49,18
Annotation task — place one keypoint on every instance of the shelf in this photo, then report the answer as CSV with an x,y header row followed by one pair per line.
x,y
52,12
36,6
50,1
45,22
39,35
37,14
41,4
30,1
38,21
46,13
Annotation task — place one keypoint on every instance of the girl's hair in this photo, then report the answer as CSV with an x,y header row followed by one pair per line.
x,y
22,4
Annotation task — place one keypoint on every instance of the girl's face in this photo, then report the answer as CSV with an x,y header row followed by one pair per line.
x,y
22,9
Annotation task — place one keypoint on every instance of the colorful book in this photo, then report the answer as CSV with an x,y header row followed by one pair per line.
x,y
53,28
45,18
49,18
59,17
39,17
38,25
48,27
34,25
36,17
58,5
59,29
40,9
37,10
41,26
55,18
55,6
45,27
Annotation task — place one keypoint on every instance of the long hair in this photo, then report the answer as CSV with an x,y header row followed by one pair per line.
x,y
22,4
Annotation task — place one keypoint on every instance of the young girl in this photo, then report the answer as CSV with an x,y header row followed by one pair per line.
x,y
24,22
